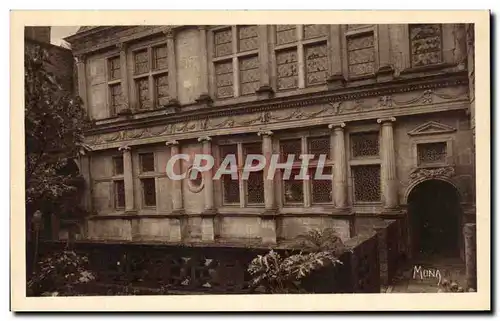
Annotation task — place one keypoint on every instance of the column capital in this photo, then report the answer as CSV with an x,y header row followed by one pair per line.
x,y
169,32
171,142
337,126
80,58
204,139
264,133
386,120
121,45
124,148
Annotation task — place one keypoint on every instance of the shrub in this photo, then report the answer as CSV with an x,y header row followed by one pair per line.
x,y
59,273
276,274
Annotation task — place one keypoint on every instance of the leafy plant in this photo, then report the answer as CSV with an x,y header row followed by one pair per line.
x,y
58,273
277,274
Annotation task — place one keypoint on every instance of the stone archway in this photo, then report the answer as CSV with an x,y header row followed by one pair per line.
x,y
435,219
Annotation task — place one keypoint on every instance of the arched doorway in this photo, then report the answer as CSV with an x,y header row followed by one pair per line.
x,y
435,212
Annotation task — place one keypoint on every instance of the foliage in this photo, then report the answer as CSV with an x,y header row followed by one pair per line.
x,y
277,274
54,125
452,286
321,240
58,273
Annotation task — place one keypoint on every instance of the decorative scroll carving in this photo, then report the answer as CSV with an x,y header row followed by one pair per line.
x,y
286,61
249,75
223,42
426,45
316,64
315,31
428,173
361,54
297,112
248,38
224,79
286,34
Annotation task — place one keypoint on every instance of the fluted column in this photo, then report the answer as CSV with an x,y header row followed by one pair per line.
x,y
128,179
388,169
82,82
268,221
176,191
340,173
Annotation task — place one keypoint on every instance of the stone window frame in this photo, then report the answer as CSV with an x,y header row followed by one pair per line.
x,y
307,189
432,138
243,203
234,57
358,31
300,44
362,161
151,75
138,176
408,26
110,82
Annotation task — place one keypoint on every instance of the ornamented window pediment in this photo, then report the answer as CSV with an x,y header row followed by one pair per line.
x,y
431,128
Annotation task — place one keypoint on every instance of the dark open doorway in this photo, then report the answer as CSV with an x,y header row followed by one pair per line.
x,y
434,209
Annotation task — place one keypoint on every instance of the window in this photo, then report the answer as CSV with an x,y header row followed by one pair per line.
x,y
149,191
151,77
241,191
114,84
432,153
147,178
366,183
425,44
236,61
313,191
293,41
118,183
361,54
365,144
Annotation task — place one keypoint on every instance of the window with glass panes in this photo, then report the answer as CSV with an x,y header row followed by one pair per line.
x,y
114,84
243,191
236,60
294,41
151,76
365,166
147,178
118,183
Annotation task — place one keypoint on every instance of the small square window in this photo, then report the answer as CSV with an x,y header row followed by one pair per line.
x,y
365,144
432,153
147,162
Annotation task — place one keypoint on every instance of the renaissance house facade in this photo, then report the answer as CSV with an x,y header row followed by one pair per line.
x,y
391,105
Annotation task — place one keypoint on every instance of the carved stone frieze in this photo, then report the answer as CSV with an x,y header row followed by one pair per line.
x,y
428,173
296,111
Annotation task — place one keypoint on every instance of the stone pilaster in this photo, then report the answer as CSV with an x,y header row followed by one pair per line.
x,y
124,76
203,61
336,78
85,171
268,219
128,178
82,82
208,215
265,90
388,169
385,70
176,191
172,68
340,173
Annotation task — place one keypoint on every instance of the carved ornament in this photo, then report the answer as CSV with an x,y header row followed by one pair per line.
x,y
429,173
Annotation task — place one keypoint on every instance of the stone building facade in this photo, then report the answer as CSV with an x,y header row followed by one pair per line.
x,y
389,104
